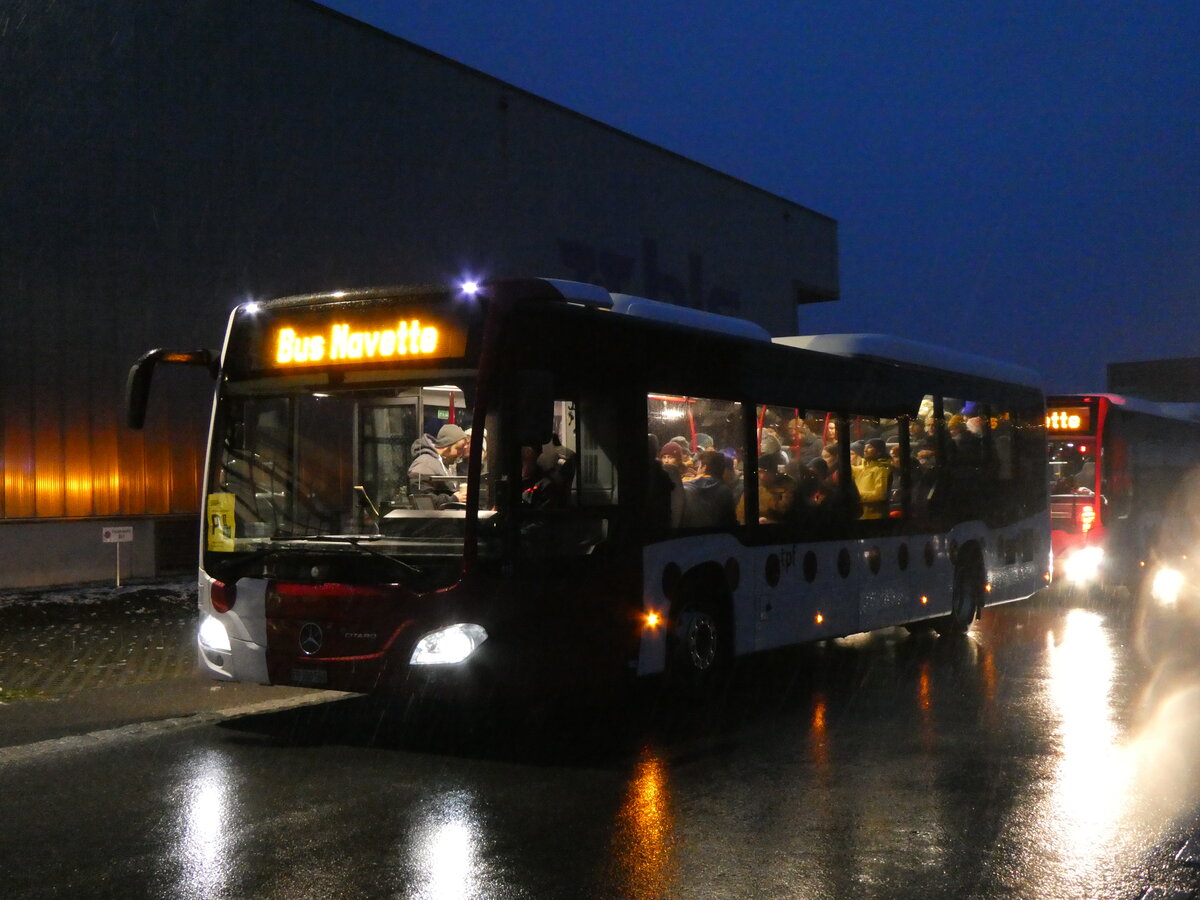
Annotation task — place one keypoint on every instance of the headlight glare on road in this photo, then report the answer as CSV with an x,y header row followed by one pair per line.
x,y
213,636
1167,585
448,645
1083,566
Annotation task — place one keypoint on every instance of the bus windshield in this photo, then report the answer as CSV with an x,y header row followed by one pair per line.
x,y
1072,467
382,469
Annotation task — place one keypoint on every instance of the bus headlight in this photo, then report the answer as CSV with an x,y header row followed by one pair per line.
x,y
1166,586
1083,565
448,645
213,636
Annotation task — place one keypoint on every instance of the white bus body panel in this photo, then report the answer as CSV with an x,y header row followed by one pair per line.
x,y
246,625
769,616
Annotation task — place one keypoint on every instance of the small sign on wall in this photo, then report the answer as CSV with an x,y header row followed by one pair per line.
x,y
117,534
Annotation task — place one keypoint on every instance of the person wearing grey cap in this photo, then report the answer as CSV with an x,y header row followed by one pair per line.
x,y
430,470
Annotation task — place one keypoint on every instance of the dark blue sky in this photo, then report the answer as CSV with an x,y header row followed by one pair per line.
x,y
1018,179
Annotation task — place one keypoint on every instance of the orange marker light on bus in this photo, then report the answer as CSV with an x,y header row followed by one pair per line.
x,y
820,619
924,600
653,619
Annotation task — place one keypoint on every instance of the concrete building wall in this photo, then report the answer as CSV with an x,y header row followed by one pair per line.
x,y
162,162
1164,380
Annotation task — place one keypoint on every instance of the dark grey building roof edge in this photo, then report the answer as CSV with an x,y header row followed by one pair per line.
x,y
433,54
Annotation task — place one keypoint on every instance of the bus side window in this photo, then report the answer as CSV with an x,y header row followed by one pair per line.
x,y
878,467
684,429
597,442
1029,451
570,483
964,424
923,465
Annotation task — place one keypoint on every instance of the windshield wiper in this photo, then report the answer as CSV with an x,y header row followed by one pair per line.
x,y
354,541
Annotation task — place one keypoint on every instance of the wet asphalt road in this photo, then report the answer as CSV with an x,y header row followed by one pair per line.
x,y
1042,756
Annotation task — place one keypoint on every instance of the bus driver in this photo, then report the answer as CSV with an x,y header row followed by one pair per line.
x,y
429,471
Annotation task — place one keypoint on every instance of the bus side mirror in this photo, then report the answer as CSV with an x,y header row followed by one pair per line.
x,y
534,407
137,385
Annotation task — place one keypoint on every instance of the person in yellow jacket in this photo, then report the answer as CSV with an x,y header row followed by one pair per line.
x,y
873,478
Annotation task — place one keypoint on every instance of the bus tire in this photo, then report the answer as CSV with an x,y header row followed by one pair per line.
x,y
701,645
967,597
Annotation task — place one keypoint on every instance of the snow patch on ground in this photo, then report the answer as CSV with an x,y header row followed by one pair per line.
x,y
180,591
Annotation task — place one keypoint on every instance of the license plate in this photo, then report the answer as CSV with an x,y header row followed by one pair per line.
x,y
310,677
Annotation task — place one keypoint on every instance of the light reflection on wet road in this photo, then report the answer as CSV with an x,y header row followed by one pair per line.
x,y
1039,757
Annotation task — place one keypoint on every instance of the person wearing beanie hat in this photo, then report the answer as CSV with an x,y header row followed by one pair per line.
x,y
429,471
448,435
673,464
677,461
857,448
672,455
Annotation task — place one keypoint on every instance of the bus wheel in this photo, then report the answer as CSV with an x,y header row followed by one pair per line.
x,y
701,645
967,599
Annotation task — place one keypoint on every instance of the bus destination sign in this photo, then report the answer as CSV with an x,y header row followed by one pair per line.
x,y
347,343
1069,420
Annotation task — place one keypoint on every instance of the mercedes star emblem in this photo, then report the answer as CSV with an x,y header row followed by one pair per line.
x,y
310,638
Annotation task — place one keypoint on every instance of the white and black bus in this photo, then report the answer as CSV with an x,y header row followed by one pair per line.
x,y
537,479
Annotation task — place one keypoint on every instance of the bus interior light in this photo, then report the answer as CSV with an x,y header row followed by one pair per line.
x,y
449,645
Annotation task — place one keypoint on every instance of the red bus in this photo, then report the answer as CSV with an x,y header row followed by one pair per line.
x,y
604,485
1114,464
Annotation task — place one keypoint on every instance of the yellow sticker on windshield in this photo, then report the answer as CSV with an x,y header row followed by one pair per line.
x,y
220,522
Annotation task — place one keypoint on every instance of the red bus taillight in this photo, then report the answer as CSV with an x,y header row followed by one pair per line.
x,y
1087,517
223,596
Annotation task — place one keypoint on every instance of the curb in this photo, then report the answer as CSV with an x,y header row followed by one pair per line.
x,y
104,738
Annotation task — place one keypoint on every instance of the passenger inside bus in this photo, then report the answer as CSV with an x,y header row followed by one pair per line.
x,y
431,473
773,508
873,479
547,474
708,500
664,496
924,479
